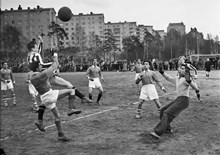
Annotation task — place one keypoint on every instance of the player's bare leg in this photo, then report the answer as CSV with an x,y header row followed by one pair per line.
x,y
139,109
58,81
90,93
71,93
99,95
4,98
61,135
157,103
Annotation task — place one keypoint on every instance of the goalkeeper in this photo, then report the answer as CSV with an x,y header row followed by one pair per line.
x,y
167,113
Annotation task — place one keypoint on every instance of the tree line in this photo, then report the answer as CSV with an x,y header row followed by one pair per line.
x,y
13,44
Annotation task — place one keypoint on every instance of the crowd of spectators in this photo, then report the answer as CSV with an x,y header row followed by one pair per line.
x,y
67,64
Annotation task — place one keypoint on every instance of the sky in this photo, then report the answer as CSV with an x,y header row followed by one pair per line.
x,y
202,14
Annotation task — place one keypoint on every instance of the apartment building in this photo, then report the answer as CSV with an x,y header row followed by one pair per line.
x,y
121,30
30,22
179,27
141,29
162,34
82,27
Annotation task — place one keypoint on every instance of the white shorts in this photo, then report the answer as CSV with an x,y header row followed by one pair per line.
x,y
32,89
136,76
6,86
148,92
95,84
49,98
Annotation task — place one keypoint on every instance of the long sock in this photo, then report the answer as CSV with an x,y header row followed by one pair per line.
x,y
79,94
13,98
139,111
71,101
158,105
99,96
4,100
41,112
59,128
139,108
90,96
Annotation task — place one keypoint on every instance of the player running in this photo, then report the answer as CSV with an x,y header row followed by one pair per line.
x,y
148,90
7,83
49,97
93,74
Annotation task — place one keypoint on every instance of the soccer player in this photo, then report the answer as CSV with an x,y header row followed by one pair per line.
x,y
34,56
138,68
49,97
208,66
32,91
148,90
167,113
93,74
7,83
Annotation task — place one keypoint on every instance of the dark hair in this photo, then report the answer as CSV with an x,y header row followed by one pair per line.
x,y
33,66
31,45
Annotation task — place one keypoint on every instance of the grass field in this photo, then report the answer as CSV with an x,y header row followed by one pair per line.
x,y
111,129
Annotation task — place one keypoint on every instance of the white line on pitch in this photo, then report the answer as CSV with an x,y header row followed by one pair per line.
x,y
114,108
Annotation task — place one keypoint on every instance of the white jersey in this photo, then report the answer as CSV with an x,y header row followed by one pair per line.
x,y
36,57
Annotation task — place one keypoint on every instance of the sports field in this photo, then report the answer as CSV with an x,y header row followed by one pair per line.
x,y
111,129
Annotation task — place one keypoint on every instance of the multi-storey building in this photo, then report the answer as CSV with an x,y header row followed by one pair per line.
x,y
121,30
179,27
161,33
82,27
141,31
30,22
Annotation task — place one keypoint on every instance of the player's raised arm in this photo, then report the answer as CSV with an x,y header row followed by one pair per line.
x,y
50,71
166,76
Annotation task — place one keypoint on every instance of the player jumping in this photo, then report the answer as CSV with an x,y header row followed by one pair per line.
x,y
49,97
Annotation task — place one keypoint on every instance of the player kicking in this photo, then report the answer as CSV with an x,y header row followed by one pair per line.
x,y
148,90
49,97
34,56
7,83
167,113
93,74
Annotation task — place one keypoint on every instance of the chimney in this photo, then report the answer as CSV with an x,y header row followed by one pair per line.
x,y
11,9
38,7
28,8
19,7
